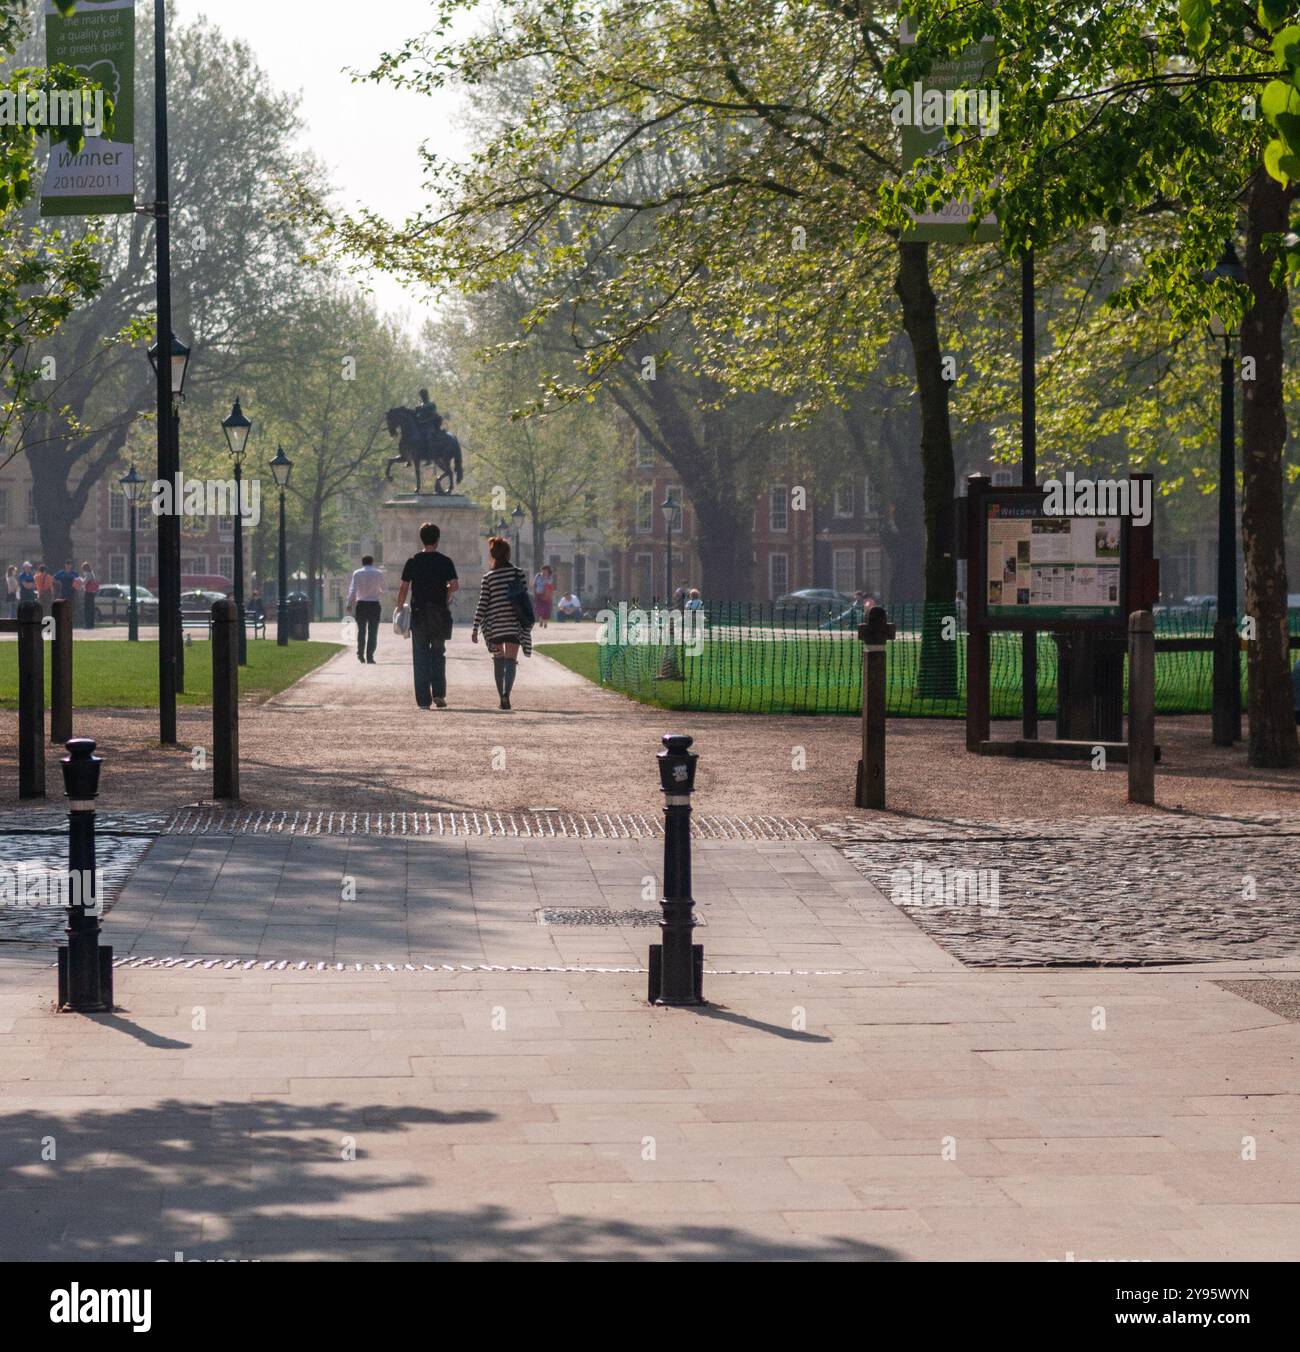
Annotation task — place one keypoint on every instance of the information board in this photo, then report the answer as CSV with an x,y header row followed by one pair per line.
x,y
1040,568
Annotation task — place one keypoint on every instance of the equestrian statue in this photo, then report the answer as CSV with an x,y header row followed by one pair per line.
x,y
422,440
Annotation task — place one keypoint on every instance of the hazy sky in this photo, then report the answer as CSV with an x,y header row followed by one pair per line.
x,y
367,134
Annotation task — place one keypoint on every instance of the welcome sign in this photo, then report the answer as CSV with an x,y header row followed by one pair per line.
x,y
98,40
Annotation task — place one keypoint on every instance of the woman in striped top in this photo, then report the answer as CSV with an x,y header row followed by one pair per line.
x,y
498,620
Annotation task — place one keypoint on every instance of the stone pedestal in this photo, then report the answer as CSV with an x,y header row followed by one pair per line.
x,y
462,540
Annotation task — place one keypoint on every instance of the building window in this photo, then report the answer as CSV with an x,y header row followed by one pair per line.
x,y
645,455
117,568
144,566
779,509
32,518
603,577
579,573
844,500
117,512
195,564
1002,478
226,565
226,527
844,570
4,506
778,575
872,579
643,576
645,512
867,508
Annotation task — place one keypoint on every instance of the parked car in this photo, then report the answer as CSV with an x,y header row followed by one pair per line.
x,y
113,599
199,602
811,603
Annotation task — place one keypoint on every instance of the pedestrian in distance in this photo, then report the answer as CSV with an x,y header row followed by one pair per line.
x,y
543,594
44,588
11,592
89,589
366,603
429,578
504,616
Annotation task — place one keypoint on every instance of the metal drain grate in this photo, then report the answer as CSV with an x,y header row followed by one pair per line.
x,y
598,915
202,821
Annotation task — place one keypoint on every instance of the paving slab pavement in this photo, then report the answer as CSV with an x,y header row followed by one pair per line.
x,y
412,1114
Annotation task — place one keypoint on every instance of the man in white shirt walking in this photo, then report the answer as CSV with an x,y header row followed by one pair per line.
x,y
365,601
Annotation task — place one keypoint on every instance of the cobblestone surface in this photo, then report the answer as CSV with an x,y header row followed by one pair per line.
x,y
1099,891
25,926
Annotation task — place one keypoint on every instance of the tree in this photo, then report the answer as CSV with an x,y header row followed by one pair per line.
x,y
695,181
1149,110
237,271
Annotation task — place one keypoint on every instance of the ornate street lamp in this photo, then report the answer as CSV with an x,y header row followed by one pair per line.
x,y
669,509
517,516
281,469
132,485
169,375
237,428
1226,719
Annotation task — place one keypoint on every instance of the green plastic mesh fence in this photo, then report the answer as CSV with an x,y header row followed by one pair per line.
x,y
762,658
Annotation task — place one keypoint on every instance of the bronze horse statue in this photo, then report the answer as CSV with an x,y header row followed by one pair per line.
x,y
418,446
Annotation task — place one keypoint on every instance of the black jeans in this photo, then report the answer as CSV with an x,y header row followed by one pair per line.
x,y
430,630
367,628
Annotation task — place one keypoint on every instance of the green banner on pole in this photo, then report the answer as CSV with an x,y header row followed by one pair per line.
x,y
955,92
98,40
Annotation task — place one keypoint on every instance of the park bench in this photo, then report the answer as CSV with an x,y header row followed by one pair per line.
x,y
254,624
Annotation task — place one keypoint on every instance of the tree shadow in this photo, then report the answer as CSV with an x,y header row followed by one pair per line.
x,y
268,1180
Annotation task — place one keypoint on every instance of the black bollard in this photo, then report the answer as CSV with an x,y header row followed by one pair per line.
x,y
31,701
85,969
61,673
225,699
874,636
677,964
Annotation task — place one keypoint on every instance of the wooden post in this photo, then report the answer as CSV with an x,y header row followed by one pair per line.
x,y
61,673
225,699
978,712
874,635
1141,708
31,701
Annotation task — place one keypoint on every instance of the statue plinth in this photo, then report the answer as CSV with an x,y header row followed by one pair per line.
x,y
462,540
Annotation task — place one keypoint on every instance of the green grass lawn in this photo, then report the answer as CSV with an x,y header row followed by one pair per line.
x,y
584,658
796,675
115,674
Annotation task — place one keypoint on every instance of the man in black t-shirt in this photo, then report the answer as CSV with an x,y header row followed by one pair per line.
x,y
430,580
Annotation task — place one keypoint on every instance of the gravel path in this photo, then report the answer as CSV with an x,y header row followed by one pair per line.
x,y
348,737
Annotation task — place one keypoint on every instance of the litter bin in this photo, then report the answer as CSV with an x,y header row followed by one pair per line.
x,y
299,615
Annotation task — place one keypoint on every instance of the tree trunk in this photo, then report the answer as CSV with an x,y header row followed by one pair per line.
x,y
725,539
1273,741
937,677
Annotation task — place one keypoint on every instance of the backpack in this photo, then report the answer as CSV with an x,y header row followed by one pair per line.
x,y
517,595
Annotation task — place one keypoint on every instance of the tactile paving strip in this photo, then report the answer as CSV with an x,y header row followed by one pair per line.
x,y
543,824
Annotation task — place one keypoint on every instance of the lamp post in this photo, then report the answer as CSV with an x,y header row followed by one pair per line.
x,y
171,390
132,484
237,427
281,469
517,516
668,667
669,509
1226,719
579,546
